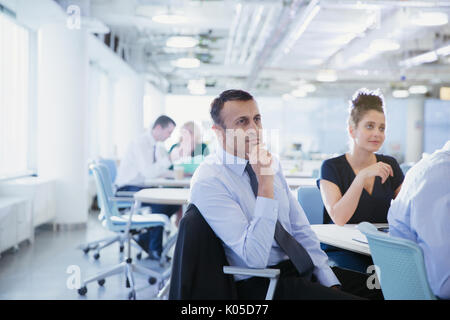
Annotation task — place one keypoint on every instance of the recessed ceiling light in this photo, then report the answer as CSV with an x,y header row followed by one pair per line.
x,y
400,93
169,18
327,76
186,63
299,93
428,19
181,42
381,45
418,89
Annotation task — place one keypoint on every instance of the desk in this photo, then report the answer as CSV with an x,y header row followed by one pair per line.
x,y
294,183
297,174
344,237
165,182
174,196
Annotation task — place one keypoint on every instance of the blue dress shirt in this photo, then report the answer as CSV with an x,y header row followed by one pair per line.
x,y
421,213
221,190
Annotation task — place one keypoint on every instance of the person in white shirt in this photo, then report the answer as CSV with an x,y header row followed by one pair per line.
x,y
147,158
421,213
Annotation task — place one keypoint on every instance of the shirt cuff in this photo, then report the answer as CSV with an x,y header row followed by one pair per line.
x,y
266,208
326,276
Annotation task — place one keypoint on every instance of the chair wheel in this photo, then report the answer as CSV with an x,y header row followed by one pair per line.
x,y
139,256
96,256
152,280
101,282
86,250
82,291
132,295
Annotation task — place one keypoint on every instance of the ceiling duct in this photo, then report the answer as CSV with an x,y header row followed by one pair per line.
x,y
395,27
285,21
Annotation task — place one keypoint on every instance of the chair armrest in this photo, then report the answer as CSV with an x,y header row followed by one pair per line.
x,y
272,274
120,199
125,193
264,273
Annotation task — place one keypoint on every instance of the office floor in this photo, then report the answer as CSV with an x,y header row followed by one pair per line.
x,y
42,270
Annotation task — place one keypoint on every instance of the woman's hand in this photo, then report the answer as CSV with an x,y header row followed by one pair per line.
x,y
175,154
380,169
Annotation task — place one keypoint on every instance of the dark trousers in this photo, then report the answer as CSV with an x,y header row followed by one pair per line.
x,y
151,240
291,286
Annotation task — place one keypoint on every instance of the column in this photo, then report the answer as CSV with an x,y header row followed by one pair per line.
x,y
62,111
414,130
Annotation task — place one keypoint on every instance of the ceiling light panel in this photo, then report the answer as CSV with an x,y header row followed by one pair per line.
x,y
181,42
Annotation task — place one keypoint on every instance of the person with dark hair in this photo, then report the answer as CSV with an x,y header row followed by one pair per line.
x,y
146,158
360,184
242,194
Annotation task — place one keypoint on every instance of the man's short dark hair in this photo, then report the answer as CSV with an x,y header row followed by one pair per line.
x,y
163,121
228,95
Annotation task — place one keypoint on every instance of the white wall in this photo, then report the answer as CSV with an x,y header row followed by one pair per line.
x,y
62,105
319,123
71,126
154,104
128,96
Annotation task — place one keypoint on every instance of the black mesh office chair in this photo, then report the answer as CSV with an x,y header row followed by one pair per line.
x,y
200,269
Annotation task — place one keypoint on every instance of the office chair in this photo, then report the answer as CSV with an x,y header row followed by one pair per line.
x,y
310,199
401,272
128,225
200,269
109,165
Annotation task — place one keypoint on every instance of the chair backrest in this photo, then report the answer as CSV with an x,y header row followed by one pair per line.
x,y
104,192
399,264
311,201
198,260
110,164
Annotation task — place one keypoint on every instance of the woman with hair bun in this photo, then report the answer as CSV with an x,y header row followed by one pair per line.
x,y
360,184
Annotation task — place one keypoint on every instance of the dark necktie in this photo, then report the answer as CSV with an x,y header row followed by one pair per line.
x,y
154,153
295,251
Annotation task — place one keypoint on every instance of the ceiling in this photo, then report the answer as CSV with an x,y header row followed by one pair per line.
x,y
275,47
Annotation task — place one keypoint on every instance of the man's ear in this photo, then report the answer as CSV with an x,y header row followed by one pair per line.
x,y
219,131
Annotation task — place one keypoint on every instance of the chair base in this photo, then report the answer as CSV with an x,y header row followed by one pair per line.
x,y
105,242
128,268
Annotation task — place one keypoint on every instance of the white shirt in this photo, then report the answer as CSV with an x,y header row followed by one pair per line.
x,y
221,190
421,213
139,163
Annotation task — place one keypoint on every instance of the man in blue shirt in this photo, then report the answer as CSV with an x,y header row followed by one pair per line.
x,y
421,213
245,218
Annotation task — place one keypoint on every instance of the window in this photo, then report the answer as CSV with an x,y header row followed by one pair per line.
x,y
14,100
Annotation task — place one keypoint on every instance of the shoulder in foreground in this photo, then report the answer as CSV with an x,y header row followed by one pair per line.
x,y
209,168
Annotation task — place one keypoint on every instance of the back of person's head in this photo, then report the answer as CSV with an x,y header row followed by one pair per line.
x,y
362,102
163,121
228,95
